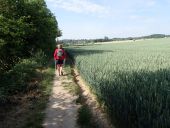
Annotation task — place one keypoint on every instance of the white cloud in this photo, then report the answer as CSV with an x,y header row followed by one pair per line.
x,y
121,18
80,6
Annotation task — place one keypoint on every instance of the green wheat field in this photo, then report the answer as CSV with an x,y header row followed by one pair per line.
x,y
132,79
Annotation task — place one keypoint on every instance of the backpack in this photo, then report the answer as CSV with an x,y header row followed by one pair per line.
x,y
60,53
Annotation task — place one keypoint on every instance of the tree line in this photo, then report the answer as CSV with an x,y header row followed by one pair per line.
x,y
26,26
107,39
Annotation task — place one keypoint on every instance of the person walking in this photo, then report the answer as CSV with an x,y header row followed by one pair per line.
x,y
60,58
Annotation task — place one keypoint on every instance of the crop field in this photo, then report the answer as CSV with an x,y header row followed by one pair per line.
x,y
131,79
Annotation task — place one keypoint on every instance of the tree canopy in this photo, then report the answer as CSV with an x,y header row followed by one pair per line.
x,y
25,27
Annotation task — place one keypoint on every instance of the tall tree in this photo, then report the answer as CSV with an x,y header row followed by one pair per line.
x,y
25,25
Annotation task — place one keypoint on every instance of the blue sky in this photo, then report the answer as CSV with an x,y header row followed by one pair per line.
x,y
90,19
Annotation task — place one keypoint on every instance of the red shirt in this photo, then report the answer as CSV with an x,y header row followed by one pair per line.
x,y
62,57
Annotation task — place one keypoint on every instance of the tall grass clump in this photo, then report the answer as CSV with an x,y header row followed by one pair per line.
x,y
131,79
19,77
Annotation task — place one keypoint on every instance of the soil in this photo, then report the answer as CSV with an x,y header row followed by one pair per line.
x,y
62,108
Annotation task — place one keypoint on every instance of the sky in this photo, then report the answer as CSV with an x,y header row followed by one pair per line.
x,y
91,19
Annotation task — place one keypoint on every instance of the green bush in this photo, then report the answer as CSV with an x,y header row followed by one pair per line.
x,y
17,79
41,58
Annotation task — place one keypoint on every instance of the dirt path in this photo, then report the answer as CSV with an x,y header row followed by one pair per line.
x,y
62,109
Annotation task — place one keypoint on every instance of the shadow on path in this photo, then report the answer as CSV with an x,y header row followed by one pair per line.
x,y
62,109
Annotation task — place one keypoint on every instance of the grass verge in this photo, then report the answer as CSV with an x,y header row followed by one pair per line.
x,y
26,108
36,114
84,118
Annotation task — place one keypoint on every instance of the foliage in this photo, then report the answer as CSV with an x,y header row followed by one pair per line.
x,y
18,78
35,116
131,79
31,104
41,58
25,27
84,115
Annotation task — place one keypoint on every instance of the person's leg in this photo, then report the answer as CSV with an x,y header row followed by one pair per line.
x,y
56,61
61,69
58,69
55,64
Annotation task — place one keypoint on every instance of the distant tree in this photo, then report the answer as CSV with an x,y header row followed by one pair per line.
x,y
59,33
106,38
